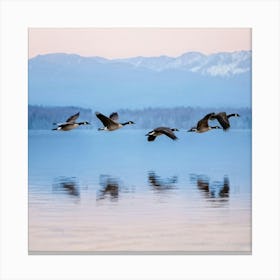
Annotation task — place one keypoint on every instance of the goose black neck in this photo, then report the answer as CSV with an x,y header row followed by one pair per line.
x,y
230,115
125,123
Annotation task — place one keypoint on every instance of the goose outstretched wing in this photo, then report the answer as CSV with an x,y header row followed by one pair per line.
x,y
222,119
73,118
114,116
105,120
166,131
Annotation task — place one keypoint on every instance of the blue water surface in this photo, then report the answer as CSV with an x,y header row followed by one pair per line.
x,y
106,172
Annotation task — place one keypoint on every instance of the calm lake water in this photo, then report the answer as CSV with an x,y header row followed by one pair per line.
x,y
94,191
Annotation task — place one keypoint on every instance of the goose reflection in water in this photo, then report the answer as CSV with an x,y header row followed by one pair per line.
x,y
216,191
110,188
67,185
159,184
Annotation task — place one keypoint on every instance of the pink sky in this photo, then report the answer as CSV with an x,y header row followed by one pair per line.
x,y
129,42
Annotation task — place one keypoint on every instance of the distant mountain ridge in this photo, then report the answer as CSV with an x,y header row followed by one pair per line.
x,y
222,64
192,79
217,64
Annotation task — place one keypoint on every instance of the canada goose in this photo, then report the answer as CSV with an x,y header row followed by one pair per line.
x,y
223,119
162,130
70,123
203,126
111,123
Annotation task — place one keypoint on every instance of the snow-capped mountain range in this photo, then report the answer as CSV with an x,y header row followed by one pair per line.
x,y
218,64
222,64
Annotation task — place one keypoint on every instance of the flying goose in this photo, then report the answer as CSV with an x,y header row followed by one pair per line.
x,y
111,123
223,119
70,123
162,130
203,126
